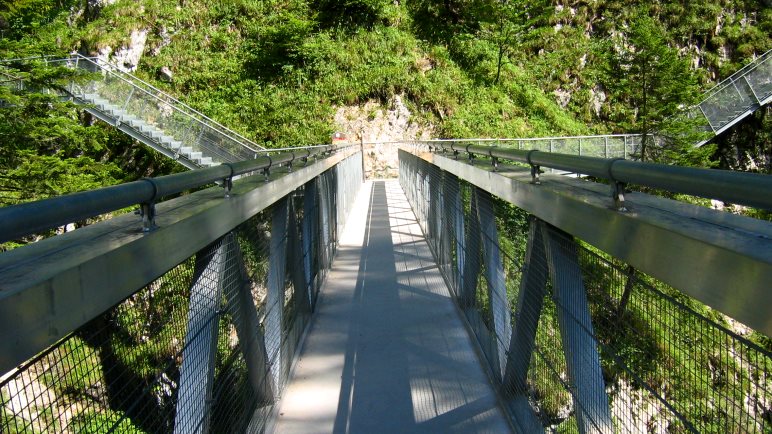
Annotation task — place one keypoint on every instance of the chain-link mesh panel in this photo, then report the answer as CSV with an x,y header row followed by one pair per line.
x,y
119,372
651,359
208,346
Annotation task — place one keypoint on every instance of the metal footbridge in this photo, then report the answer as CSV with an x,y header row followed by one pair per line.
x,y
475,293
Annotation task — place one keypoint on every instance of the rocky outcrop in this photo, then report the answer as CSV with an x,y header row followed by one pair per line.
x,y
128,56
372,122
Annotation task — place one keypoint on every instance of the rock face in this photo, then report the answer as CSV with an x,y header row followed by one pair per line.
x,y
372,122
127,57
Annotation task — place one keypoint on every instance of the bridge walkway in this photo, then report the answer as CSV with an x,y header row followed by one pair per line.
x,y
387,350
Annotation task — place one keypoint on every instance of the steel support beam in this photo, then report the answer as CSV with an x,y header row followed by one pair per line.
x,y
530,300
700,251
471,249
325,216
197,371
446,224
494,271
310,235
274,302
295,260
591,403
241,307
52,287
458,230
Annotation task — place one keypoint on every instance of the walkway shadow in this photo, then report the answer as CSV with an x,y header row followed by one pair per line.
x,y
387,341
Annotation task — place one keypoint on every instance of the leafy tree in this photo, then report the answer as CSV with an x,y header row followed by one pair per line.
x,y
650,78
505,28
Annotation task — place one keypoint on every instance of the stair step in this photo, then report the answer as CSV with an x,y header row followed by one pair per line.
x,y
118,113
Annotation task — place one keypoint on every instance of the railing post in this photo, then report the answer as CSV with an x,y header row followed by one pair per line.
x,y
194,395
471,260
530,300
448,197
310,235
362,151
296,260
494,270
576,332
274,301
324,217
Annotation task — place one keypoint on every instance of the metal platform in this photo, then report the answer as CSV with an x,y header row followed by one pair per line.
x,y
387,350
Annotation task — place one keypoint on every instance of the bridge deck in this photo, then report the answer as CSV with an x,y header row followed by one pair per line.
x,y
387,351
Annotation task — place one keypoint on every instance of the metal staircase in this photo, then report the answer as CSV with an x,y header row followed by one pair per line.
x,y
735,98
152,116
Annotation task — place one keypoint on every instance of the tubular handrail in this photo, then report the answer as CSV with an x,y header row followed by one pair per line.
x,y
750,189
529,139
33,217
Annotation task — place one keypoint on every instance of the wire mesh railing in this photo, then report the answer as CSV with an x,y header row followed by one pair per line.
x,y
744,91
207,346
578,340
163,119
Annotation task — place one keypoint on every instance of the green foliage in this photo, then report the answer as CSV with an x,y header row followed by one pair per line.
x,y
99,423
47,150
650,77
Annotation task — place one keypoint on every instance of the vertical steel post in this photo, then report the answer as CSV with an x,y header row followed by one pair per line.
x,y
530,300
194,395
458,230
324,216
274,301
296,260
446,227
241,307
362,152
471,269
576,333
497,287
433,211
310,234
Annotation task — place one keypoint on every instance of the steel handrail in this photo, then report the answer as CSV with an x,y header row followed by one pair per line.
x,y
750,189
33,217
524,139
